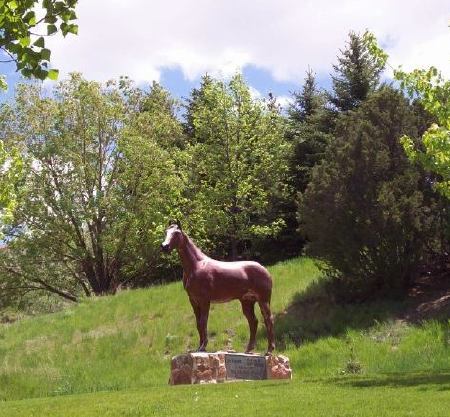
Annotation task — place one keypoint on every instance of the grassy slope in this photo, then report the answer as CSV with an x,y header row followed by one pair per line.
x,y
125,342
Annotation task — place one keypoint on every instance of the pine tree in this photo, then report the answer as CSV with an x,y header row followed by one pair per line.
x,y
307,101
357,74
367,211
309,128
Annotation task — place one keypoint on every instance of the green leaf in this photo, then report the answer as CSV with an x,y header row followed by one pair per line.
x,y
53,74
12,5
3,83
45,54
64,28
26,72
40,42
59,6
30,18
25,41
51,29
41,73
73,29
50,19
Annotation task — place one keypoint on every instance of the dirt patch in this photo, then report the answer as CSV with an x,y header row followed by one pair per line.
x,y
314,313
430,299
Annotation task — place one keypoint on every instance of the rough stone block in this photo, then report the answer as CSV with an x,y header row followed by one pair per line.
x,y
278,367
202,367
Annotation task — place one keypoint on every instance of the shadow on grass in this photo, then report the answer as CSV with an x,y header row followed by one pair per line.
x,y
440,380
314,314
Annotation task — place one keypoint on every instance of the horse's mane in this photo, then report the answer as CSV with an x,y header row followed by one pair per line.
x,y
193,250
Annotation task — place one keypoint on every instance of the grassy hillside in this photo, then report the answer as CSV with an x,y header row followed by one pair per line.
x,y
126,341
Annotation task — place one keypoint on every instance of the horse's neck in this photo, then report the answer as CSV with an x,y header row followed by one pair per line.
x,y
190,255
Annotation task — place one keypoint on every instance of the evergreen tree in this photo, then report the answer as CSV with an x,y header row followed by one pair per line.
x,y
357,74
310,124
367,210
307,101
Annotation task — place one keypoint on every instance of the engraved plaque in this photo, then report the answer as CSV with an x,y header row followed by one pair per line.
x,y
245,366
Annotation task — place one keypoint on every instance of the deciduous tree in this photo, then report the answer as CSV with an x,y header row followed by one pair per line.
x,y
99,185
238,162
24,26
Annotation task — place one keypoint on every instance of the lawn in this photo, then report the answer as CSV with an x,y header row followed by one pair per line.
x,y
110,356
395,395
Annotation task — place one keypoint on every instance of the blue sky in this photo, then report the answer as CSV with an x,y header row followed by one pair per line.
x,y
272,42
259,79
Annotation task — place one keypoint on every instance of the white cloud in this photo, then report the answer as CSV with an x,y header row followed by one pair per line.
x,y
255,94
140,38
284,101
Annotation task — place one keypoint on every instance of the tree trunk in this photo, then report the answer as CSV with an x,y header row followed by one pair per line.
x,y
234,249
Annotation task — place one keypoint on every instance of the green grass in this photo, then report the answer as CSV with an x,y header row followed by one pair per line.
x,y
122,346
415,395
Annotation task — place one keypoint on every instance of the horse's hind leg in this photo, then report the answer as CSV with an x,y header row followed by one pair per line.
x,y
248,308
268,321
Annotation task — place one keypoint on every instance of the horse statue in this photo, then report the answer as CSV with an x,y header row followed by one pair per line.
x,y
209,281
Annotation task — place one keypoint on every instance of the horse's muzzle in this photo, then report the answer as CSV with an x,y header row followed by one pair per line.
x,y
165,248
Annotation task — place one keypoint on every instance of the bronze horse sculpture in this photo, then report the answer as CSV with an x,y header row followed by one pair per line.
x,y
209,281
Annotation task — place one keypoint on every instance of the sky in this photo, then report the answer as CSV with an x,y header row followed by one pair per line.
x,y
272,42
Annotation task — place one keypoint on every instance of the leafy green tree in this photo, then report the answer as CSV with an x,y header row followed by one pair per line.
x,y
11,174
356,75
434,93
98,188
238,163
196,99
366,210
23,33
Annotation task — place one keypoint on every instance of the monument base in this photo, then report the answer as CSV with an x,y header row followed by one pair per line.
x,y
205,367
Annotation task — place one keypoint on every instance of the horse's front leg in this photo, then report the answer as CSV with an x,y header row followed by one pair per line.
x,y
203,326
196,308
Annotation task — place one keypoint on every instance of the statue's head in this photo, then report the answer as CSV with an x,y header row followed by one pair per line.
x,y
174,236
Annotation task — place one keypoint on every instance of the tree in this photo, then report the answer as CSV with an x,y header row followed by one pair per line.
x,y
434,93
357,74
97,191
22,38
308,101
196,100
366,210
11,174
309,131
431,91
238,163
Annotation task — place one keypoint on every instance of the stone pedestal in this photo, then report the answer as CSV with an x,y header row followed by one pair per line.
x,y
203,367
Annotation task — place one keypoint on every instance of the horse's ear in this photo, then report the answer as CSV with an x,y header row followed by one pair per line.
x,y
178,224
